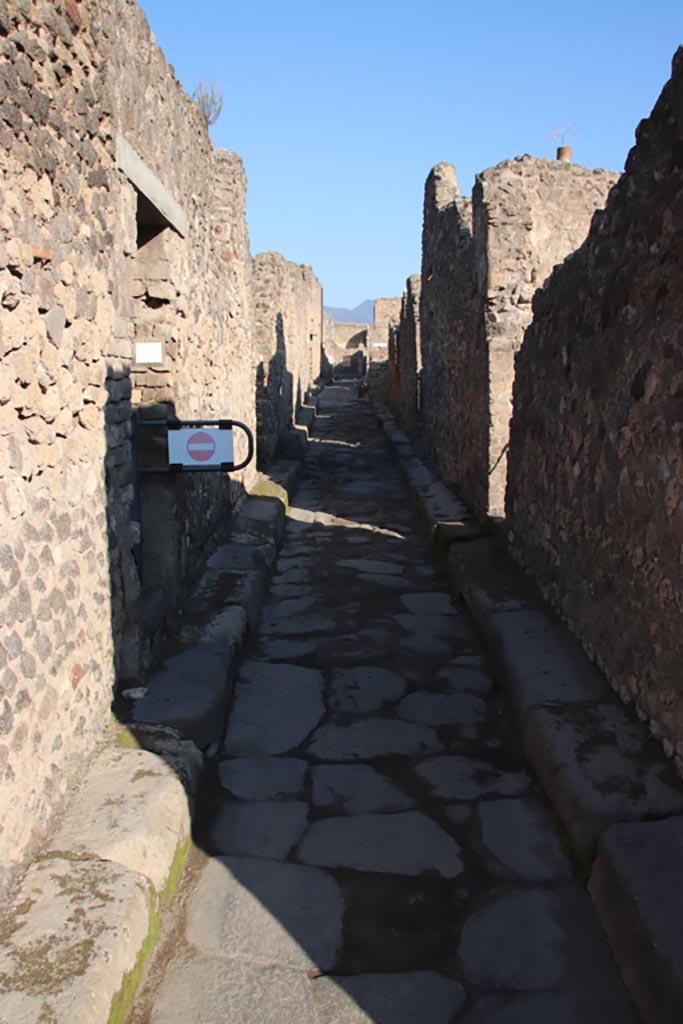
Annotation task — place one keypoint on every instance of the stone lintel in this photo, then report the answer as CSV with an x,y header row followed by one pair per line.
x,y
146,181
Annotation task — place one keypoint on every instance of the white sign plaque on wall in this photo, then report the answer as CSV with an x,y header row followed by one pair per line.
x,y
200,447
149,352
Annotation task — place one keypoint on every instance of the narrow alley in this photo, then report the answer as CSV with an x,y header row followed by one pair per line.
x,y
370,846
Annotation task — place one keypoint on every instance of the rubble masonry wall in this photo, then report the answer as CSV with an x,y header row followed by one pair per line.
x,y
405,359
77,293
595,475
454,380
481,263
288,336
386,316
528,215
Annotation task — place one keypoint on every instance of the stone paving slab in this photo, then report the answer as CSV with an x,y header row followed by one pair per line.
x,y
380,580
357,788
422,997
520,840
371,738
443,626
453,777
461,709
373,566
403,844
268,912
585,1006
216,990
277,610
238,557
533,939
298,625
599,766
365,688
636,885
426,643
469,677
275,708
268,828
284,649
429,603
263,778
75,930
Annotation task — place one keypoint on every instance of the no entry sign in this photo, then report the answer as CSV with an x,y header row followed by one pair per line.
x,y
200,448
192,445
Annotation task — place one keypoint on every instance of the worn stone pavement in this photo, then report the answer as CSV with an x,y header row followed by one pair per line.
x,y
371,845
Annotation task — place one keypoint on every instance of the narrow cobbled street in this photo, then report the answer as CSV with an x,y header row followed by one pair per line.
x,y
370,844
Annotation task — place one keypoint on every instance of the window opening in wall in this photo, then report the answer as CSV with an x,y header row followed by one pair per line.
x,y
150,221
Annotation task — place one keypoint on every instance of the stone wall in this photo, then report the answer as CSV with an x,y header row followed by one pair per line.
x,y
90,266
481,263
386,316
454,378
405,357
288,337
528,215
595,476
345,347
341,337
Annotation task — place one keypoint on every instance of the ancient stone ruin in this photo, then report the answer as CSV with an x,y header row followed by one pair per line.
x,y
536,360
595,482
128,294
482,260
591,351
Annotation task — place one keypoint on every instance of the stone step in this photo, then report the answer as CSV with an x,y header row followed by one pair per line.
x,y
636,886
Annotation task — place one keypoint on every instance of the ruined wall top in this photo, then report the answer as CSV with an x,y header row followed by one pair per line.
x,y
387,311
441,187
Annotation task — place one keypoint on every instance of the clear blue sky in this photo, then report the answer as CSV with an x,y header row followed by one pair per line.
x,y
339,108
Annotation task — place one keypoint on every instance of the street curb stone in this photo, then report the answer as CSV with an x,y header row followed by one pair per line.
x,y
636,866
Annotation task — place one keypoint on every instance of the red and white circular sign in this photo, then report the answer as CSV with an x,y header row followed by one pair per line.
x,y
201,446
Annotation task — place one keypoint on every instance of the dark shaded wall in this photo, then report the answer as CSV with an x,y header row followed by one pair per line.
x,y
595,476
454,367
405,357
287,302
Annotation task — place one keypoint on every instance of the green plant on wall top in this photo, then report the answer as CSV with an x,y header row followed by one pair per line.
x,y
209,99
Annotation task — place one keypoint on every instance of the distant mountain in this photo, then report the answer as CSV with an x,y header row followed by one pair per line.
x,y
363,314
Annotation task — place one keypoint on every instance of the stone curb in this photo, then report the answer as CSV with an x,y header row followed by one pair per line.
x,y
606,777
191,690
86,915
84,919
